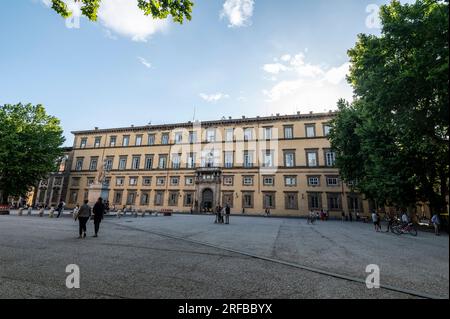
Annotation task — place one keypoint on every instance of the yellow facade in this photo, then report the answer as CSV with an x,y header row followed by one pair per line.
x,y
282,163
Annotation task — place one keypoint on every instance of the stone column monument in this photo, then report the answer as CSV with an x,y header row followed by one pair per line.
x,y
98,188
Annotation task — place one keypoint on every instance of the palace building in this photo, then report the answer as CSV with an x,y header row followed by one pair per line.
x,y
283,163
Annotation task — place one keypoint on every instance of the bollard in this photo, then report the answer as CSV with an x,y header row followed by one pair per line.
x,y
29,211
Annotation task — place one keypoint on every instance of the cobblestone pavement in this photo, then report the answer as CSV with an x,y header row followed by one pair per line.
x,y
135,258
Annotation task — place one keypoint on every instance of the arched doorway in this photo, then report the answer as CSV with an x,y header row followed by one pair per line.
x,y
207,199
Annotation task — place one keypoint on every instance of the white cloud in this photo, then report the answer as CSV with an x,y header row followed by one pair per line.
x,y
312,87
238,12
274,68
147,64
212,98
286,57
109,34
336,75
124,18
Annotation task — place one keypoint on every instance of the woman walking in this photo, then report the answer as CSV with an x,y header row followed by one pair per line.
x,y
83,216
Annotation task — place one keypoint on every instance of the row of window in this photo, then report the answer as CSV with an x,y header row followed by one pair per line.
x,y
247,180
211,135
291,199
209,159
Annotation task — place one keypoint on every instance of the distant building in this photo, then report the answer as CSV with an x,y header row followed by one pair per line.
x,y
51,191
283,163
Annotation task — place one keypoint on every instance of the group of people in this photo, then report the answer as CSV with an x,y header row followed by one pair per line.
x,y
223,215
84,213
404,220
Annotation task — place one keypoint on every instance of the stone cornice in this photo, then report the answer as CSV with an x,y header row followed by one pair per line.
x,y
205,124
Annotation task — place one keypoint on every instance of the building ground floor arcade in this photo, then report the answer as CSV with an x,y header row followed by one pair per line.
x,y
251,191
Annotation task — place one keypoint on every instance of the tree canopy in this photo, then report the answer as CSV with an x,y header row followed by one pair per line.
x,y
158,9
30,145
393,140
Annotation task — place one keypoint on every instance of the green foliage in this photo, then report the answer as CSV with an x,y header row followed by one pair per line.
x,y
158,9
30,144
400,141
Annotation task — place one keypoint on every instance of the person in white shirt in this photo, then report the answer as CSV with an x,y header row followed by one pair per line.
x,y
405,218
436,222
376,221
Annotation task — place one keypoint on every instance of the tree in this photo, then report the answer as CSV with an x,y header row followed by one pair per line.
x,y
30,144
158,9
401,108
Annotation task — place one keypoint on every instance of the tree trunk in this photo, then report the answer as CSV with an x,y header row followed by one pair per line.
x,y
3,198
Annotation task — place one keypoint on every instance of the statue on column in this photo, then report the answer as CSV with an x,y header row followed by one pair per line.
x,y
101,175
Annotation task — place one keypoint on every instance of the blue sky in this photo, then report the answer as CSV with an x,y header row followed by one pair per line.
x,y
236,57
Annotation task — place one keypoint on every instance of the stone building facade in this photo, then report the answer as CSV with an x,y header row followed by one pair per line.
x,y
283,163
51,191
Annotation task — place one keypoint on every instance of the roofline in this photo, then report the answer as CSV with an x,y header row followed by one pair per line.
x,y
210,123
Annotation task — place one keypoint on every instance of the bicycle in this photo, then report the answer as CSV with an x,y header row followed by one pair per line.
x,y
408,229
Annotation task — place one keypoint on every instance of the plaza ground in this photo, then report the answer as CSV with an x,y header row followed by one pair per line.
x,y
186,256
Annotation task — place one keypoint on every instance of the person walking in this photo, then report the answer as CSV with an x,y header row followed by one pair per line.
x,y
217,217
375,219
350,216
99,212
311,218
60,208
83,216
221,215
227,214
436,223
75,212
343,216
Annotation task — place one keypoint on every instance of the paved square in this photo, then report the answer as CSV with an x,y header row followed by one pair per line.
x,y
186,256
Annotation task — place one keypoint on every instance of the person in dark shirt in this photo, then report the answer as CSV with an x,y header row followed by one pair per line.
x,y
99,212
227,214
60,208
